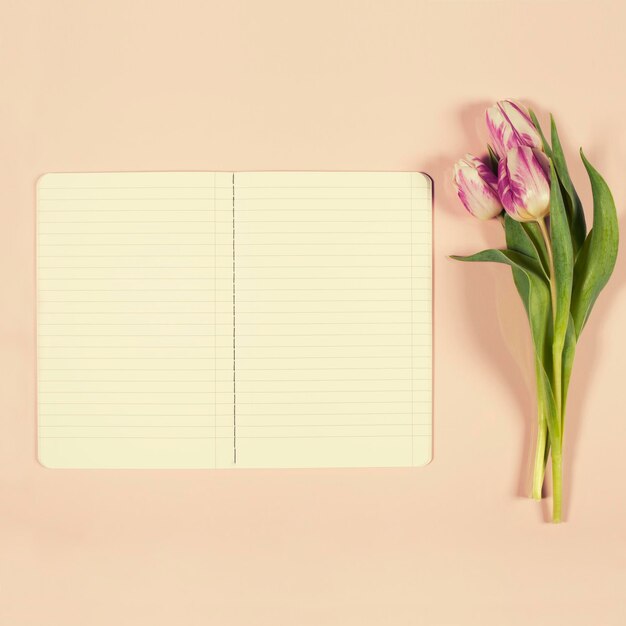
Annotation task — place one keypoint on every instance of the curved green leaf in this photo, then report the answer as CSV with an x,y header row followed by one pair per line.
x,y
521,238
573,206
569,351
597,257
534,234
518,239
511,258
563,265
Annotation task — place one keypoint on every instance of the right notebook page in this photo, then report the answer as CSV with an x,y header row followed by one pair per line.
x,y
332,318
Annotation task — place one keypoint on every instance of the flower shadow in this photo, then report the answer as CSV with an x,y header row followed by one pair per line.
x,y
489,284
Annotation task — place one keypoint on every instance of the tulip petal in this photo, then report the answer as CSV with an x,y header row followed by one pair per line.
x,y
496,125
477,195
521,124
511,126
483,170
523,184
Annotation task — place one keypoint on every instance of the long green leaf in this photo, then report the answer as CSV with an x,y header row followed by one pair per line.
x,y
597,257
551,412
529,241
563,266
518,239
569,351
573,206
534,234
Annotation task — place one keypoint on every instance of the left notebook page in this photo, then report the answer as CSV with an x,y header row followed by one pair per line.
x,y
135,320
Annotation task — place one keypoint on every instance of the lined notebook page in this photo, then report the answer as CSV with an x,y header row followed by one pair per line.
x,y
135,320
333,319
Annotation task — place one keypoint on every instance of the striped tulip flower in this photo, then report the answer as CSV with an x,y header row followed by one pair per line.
x,y
524,184
510,126
477,188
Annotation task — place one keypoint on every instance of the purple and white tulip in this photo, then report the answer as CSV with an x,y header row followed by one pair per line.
x,y
510,126
477,188
524,184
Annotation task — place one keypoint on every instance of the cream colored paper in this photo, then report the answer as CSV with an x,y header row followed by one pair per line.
x,y
234,320
333,319
135,320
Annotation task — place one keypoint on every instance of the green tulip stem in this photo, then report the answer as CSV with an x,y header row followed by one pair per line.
x,y
546,237
557,484
541,445
557,367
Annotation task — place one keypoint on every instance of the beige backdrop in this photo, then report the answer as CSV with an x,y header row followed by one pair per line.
x,y
346,85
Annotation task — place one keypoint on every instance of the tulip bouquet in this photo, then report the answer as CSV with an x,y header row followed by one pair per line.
x,y
559,268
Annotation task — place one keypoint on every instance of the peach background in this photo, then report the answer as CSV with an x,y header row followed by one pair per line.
x,y
380,85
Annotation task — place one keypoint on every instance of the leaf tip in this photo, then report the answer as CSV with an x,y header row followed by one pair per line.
x,y
586,163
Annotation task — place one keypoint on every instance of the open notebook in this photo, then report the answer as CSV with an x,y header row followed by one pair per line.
x,y
217,320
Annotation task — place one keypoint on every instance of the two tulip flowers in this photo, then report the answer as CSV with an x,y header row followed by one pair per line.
x,y
521,184
558,268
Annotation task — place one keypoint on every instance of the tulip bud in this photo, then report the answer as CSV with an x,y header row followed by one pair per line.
x,y
477,188
510,126
524,184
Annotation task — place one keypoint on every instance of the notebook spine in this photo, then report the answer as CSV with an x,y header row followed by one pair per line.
x,y
234,337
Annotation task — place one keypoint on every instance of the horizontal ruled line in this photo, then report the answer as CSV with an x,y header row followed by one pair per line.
x,y
114,290
118,369
135,301
127,256
116,244
409,412
117,199
126,233
299,221
138,187
355,424
125,313
240,199
131,267
309,402
109,210
405,255
211,346
209,278
211,392
224,301
408,436
237,186
225,380
124,324
181,221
